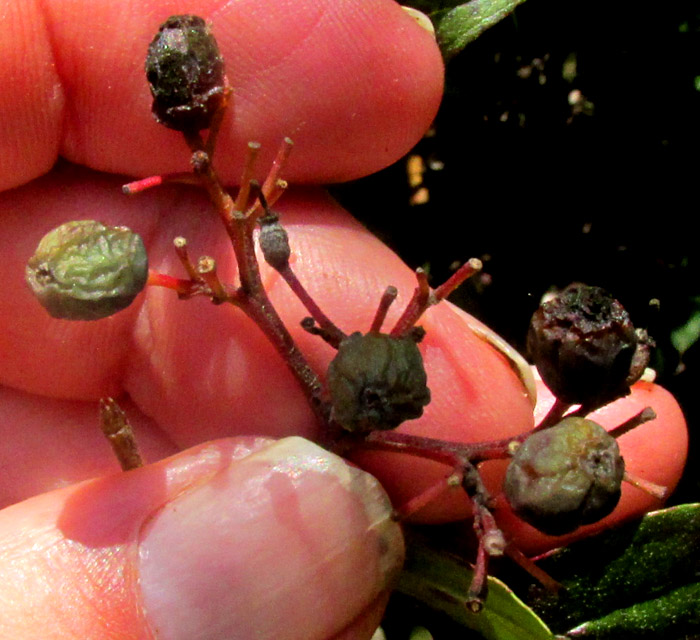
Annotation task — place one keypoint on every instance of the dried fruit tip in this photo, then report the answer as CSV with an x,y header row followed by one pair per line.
x,y
84,270
585,346
186,74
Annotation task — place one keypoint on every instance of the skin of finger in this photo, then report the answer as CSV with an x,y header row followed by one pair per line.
x,y
170,370
193,368
61,358
354,82
48,444
32,101
655,451
190,361
72,572
364,626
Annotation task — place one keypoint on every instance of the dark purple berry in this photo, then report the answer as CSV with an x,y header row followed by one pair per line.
x,y
84,270
585,346
565,476
186,74
376,381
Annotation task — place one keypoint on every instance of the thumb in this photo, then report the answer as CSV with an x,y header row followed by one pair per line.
x,y
232,539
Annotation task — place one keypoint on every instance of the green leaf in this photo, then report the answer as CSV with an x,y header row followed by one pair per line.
x,y
688,334
441,581
673,615
421,633
455,28
641,580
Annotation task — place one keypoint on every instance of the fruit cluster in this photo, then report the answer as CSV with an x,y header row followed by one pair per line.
x,y
565,473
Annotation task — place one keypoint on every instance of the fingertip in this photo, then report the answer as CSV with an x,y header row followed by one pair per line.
x,y
354,83
32,98
233,538
206,570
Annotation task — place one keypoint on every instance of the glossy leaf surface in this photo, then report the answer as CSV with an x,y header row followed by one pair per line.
x,y
457,27
638,581
441,581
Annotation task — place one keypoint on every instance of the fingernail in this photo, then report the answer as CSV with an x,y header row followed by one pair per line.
x,y
288,541
422,20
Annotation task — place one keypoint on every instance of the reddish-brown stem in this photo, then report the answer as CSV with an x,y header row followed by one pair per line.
x,y
645,415
438,450
180,245
194,140
424,498
262,313
466,271
656,490
206,269
386,301
415,307
333,333
477,589
243,195
424,298
274,176
275,193
538,574
490,537
251,296
491,543
257,306
184,288
450,453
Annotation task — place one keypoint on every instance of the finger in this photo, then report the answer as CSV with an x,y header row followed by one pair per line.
x,y
354,82
32,100
188,362
49,444
182,371
232,539
201,371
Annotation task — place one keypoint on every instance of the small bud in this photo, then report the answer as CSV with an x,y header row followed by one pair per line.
x,y
186,74
376,381
274,242
585,346
565,476
84,270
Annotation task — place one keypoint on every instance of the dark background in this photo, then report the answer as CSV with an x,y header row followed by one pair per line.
x,y
545,192
603,191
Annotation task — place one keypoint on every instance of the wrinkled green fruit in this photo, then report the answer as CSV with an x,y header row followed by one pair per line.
x,y
186,75
84,270
376,381
565,476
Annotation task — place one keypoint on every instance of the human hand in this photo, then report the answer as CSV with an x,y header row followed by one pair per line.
x,y
212,541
